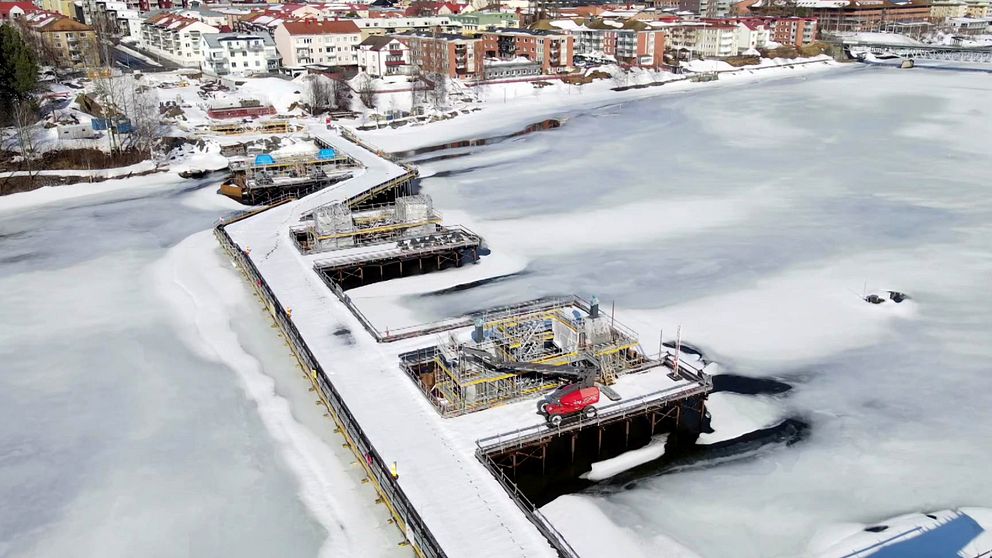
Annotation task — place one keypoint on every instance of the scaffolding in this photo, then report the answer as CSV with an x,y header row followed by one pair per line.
x,y
337,226
558,335
271,126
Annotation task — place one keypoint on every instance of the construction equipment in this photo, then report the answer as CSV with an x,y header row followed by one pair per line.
x,y
577,397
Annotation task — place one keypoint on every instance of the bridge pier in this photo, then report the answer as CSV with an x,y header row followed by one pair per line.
x,y
551,464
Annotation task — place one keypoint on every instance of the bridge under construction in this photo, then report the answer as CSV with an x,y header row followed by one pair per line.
x,y
450,407
936,53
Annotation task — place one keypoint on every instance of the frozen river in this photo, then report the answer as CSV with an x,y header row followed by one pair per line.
x,y
755,217
140,417
121,433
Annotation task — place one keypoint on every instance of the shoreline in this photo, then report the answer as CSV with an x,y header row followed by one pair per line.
x,y
516,114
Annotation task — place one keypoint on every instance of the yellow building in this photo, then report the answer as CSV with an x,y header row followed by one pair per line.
x,y
978,8
67,42
64,7
942,10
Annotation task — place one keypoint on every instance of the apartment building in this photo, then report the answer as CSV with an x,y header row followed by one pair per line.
x,y
10,11
175,37
795,31
680,35
120,18
259,22
64,7
455,56
553,51
942,10
643,47
485,21
977,9
717,40
72,44
403,24
242,54
852,15
381,56
330,43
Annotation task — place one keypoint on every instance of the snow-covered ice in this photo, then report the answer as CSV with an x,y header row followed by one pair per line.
x,y
828,186
137,424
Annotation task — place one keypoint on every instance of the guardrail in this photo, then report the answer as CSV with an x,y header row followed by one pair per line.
x,y
403,511
531,512
606,414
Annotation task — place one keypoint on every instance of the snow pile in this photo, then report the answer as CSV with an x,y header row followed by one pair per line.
x,y
628,460
197,156
280,93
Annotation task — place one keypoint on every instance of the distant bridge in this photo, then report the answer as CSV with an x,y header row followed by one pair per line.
x,y
976,55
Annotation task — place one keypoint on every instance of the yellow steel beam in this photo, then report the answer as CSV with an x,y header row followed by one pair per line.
x,y
489,380
385,228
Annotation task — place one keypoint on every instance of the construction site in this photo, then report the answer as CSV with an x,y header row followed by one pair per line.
x,y
263,178
382,241
526,352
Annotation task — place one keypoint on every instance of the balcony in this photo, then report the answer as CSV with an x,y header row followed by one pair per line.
x,y
390,63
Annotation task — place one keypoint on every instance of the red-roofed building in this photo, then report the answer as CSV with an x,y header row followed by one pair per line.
x,y
326,42
423,8
14,10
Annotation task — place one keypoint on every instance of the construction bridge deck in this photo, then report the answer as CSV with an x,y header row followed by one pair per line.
x,y
445,501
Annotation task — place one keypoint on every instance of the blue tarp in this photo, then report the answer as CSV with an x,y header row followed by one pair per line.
x,y
121,126
326,153
944,541
264,159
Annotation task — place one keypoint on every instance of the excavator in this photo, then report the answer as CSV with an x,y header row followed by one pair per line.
x,y
576,398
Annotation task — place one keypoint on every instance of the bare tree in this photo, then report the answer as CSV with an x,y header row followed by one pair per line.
x,y
320,94
367,91
23,116
146,125
104,31
342,95
113,92
131,111
438,91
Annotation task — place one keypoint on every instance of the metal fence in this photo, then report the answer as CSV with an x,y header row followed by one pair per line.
x,y
606,414
532,512
403,511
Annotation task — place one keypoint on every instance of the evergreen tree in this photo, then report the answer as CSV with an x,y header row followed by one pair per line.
x,y
18,70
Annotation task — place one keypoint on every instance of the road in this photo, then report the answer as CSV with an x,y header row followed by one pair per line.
x,y
126,60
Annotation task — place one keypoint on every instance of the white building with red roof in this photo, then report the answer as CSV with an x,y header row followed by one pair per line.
x,y
14,10
175,37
